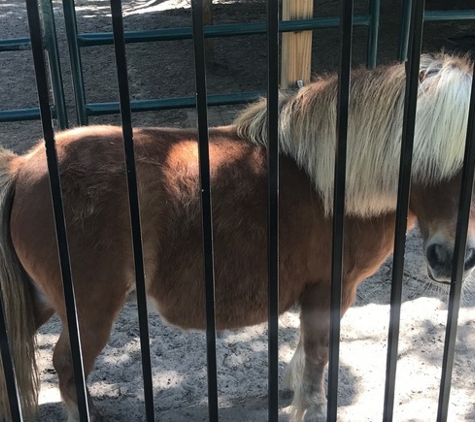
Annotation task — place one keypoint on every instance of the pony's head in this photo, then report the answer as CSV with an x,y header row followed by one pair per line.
x,y
441,127
436,208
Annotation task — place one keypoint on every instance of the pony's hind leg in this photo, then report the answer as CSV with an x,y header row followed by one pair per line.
x,y
42,309
306,374
95,329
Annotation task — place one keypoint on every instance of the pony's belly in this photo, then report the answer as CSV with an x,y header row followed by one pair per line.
x,y
181,319
186,308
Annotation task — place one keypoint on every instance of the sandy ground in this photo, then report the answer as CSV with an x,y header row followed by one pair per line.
x,y
179,359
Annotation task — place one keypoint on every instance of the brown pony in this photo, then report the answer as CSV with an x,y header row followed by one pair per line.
x,y
96,210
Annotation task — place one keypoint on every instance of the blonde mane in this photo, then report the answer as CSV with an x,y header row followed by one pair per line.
x,y
307,130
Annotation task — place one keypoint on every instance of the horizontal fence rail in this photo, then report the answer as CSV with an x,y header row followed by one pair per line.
x,y
15,44
214,31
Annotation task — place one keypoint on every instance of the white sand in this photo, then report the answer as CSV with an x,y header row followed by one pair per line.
x,y
179,361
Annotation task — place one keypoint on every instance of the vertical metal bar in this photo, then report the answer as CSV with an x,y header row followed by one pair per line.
x,y
75,60
51,44
273,203
465,202
404,30
410,105
8,368
206,205
346,32
134,207
55,183
373,33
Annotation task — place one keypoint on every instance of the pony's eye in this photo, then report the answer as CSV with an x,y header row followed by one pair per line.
x,y
432,71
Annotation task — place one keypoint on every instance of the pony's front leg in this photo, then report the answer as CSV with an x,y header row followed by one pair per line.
x,y
306,373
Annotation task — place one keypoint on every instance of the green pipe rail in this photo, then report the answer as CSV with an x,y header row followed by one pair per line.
x,y
51,47
75,41
15,44
429,16
100,109
215,31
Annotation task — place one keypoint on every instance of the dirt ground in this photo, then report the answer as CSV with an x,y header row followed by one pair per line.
x,y
160,70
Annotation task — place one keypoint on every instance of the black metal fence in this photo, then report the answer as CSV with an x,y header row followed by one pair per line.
x,y
347,21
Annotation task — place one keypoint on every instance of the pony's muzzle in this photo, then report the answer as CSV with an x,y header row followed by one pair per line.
x,y
440,258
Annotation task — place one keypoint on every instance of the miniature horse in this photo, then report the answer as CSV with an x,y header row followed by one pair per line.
x,y
94,190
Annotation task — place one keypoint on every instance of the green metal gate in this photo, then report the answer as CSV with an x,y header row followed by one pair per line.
x,y
77,41
51,46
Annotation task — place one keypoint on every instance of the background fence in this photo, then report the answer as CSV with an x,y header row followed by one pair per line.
x,y
78,40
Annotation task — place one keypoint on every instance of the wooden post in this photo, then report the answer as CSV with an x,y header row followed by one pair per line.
x,y
296,46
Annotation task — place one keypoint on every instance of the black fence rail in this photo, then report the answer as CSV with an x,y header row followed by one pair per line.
x,y
198,33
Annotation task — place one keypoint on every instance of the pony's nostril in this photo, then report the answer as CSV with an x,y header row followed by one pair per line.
x,y
437,255
469,259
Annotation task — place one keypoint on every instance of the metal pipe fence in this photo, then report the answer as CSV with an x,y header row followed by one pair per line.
x,y
50,45
428,16
77,40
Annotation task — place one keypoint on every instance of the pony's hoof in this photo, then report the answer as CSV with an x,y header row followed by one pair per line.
x,y
316,413
312,414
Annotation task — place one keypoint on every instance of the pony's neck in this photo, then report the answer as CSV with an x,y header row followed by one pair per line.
x,y
308,122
